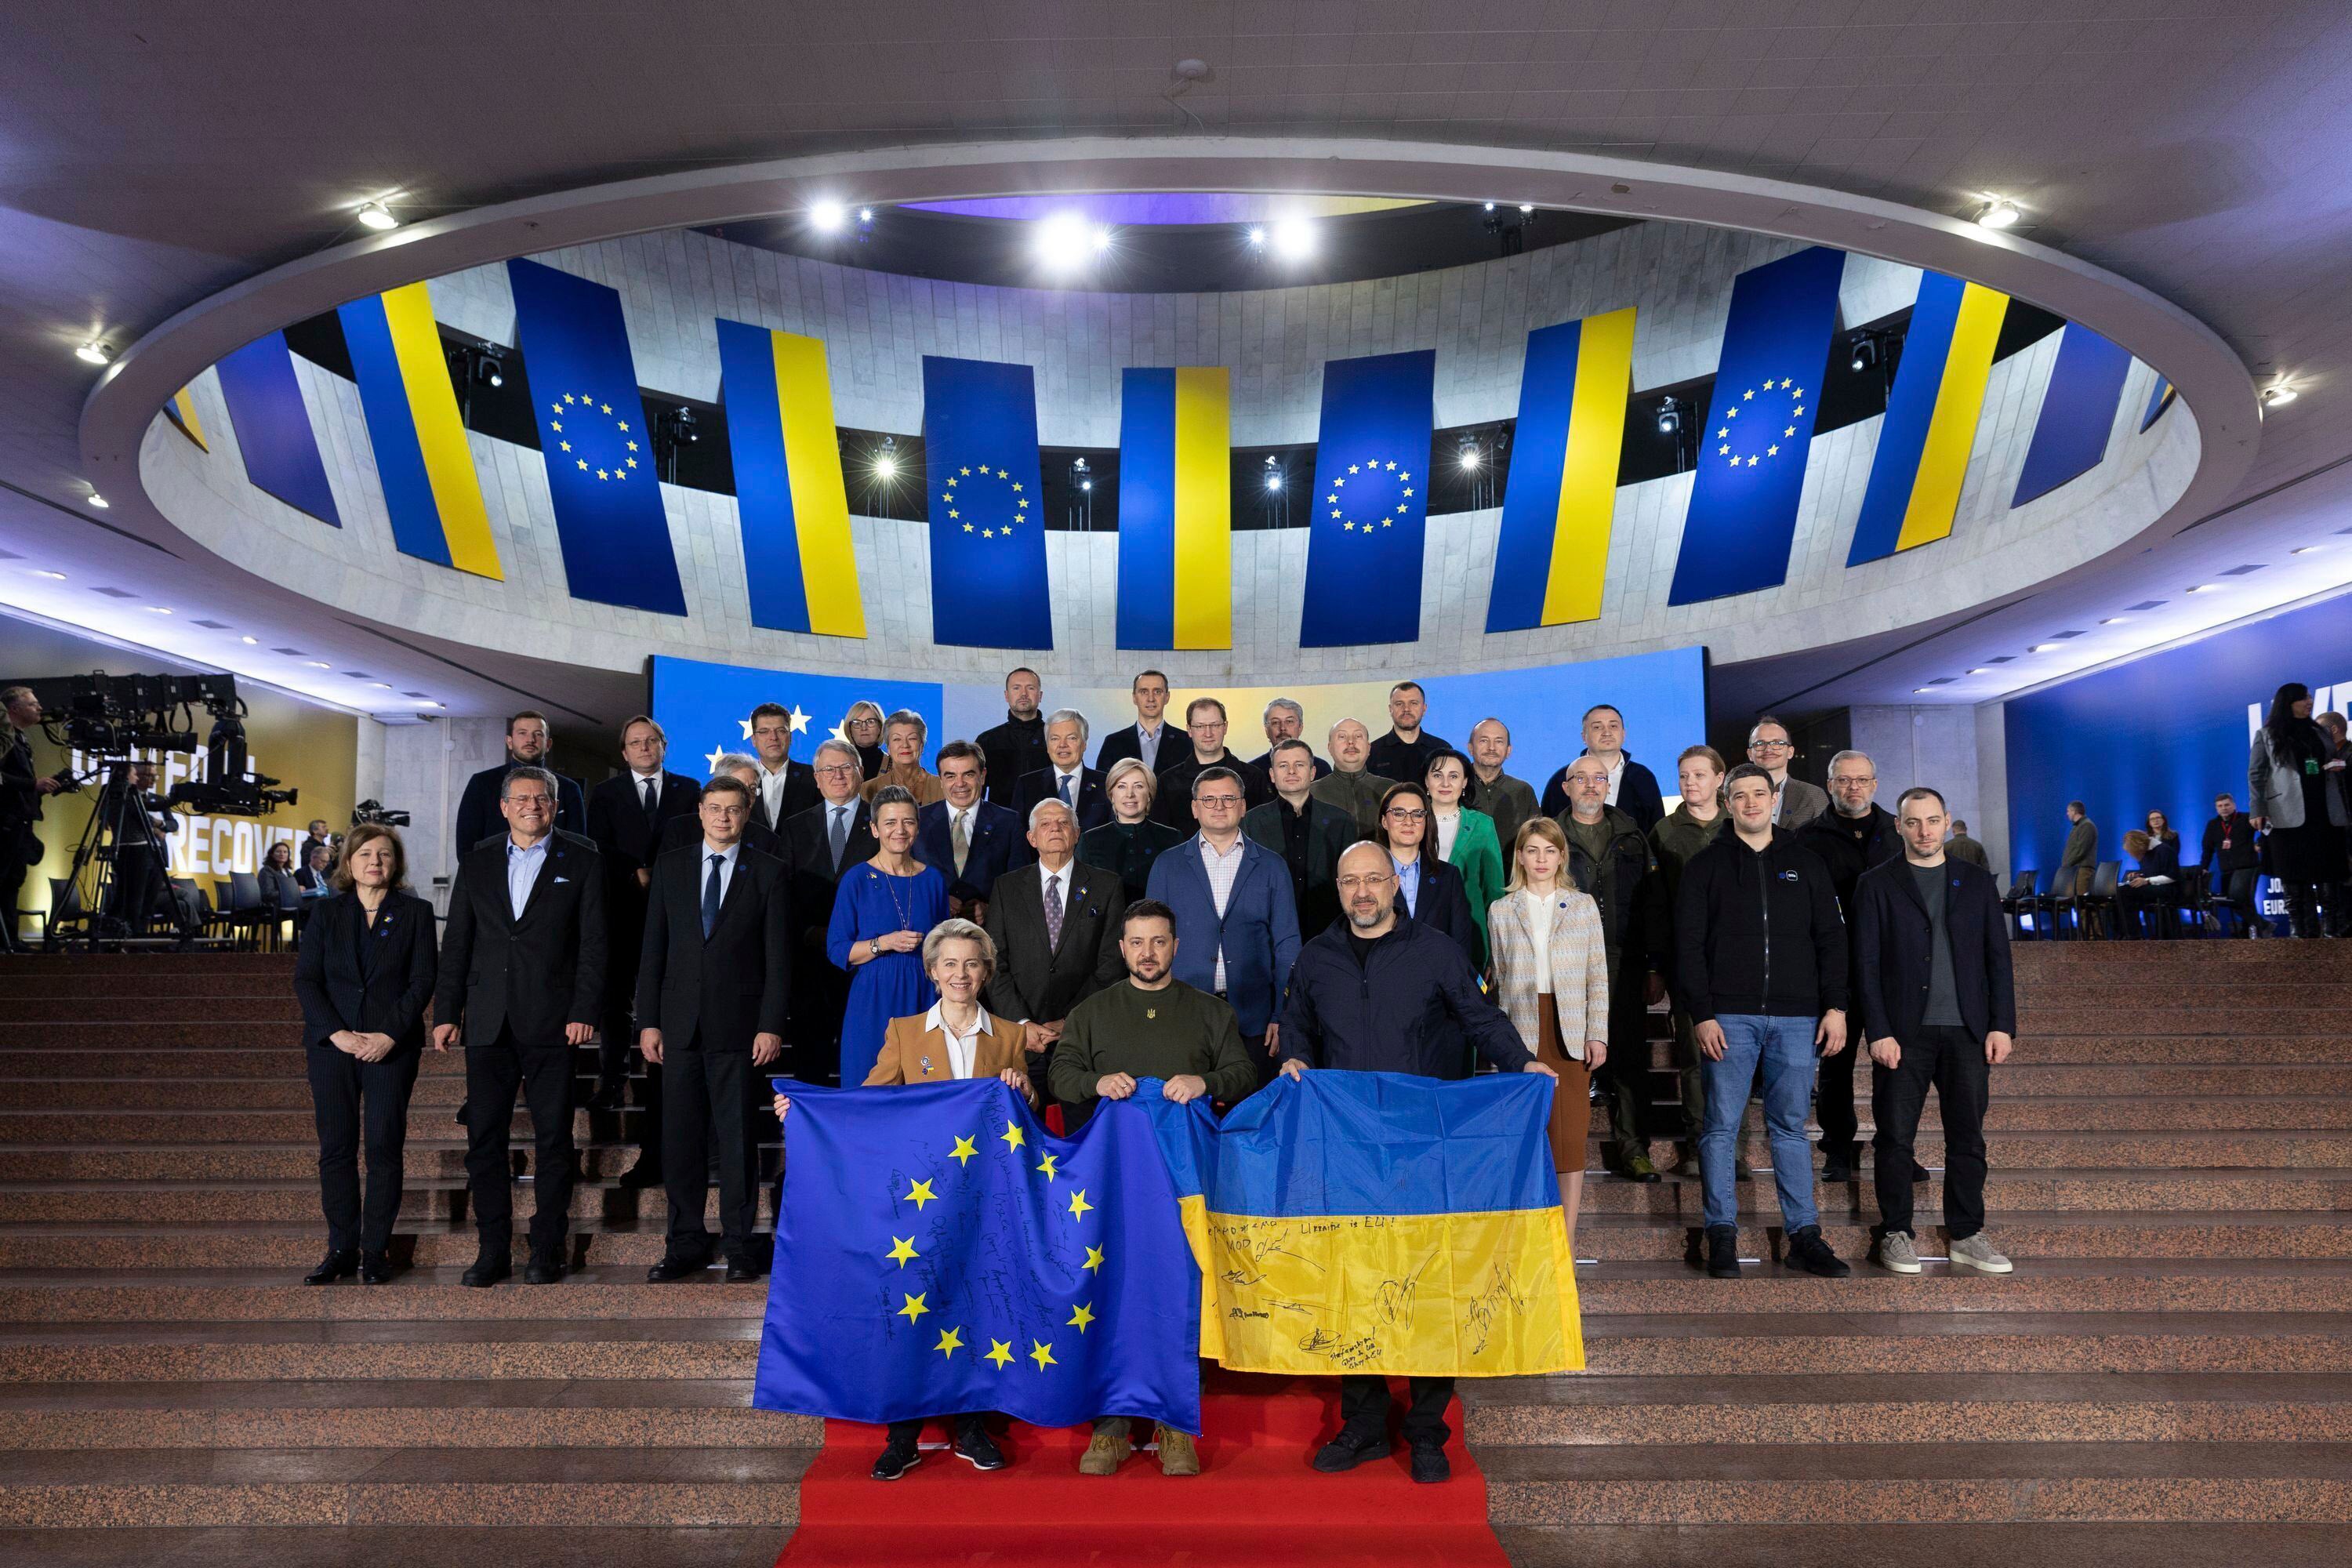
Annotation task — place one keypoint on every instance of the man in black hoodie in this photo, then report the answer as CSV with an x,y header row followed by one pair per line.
x,y
1016,748
1854,834
1761,967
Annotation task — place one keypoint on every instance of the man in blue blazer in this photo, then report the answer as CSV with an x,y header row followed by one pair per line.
x,y
1236,922
1066,776
479,815
992,837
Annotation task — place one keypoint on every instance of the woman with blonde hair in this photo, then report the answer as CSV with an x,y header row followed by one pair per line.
x,y
861,728
1551,978
1131,840
903,735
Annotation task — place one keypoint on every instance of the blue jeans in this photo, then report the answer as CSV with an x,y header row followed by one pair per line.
x,y
1784,1049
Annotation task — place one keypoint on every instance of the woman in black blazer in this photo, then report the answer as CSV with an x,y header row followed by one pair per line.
x,y
364,975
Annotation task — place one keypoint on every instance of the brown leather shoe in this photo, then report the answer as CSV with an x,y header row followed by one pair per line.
x,y
1107,1452
1177,1455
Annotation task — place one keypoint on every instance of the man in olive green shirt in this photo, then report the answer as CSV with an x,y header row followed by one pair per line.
x,y
1150,1025
1349,786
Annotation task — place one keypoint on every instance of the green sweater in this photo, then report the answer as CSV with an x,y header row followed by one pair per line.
x,y
1150,1034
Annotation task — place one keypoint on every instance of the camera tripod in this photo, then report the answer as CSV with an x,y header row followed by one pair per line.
x,y
89,912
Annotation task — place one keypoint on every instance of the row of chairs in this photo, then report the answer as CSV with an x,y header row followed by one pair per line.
x,y
2078,913
248,924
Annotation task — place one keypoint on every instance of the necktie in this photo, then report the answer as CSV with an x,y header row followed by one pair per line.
x,y
649,799
840,834
710,897
961,841
1053,911
1067,797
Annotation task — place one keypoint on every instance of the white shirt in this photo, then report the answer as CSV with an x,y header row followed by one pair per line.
x,y
1537,907
772,790
1075,779
638,783
1616,777
1221,870
523,867
726,870
1449,823
963,1050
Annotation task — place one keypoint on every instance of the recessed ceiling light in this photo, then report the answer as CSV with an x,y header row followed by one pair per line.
x,y
2202,588
2277,395
2305,549
97,501
318,664
52,576
376,216
1526,206
1294,238
1490,206
381,685
1921,690
826,217
250,642
1980,670
94,353
159,609
2046,647
2113,621
1997,214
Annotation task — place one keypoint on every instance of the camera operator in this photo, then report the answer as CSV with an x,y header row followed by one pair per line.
x,y
21,791
320,838
142,822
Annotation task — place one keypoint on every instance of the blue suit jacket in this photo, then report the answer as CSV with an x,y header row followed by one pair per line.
x,y
999,843
1259,932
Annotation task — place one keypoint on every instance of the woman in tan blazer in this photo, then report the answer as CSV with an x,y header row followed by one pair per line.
x,y
1551,976
957,1038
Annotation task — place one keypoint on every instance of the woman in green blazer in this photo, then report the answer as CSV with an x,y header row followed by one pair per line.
x,y
1464,839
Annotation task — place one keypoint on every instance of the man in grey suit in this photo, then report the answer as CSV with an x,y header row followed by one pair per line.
x,y
1055,924
1794,801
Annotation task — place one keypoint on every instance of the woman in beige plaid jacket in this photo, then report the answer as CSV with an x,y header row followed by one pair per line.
x,y
1551,976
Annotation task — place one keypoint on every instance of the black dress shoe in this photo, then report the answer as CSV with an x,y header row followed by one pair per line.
x,y
1723,1251
487,1270
1837,1168
375,1268
898,1457
741,1271
1349,1449
606,1098
644,1173
671,1269
340,1264
975,1447
542,1270
1429,1464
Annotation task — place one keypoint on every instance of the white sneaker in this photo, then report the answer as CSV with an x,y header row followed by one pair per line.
x,y
1976,1253
1897,1253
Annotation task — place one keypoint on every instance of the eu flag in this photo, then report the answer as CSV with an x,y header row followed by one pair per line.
x,y
1371,500
987,505
1759,428
938,1252
609,516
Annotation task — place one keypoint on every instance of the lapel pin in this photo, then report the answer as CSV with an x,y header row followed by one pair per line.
x,y
926,1067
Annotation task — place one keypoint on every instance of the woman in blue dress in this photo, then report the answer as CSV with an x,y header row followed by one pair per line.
x,y
880,917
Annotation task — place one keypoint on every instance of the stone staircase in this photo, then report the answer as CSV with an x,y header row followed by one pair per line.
x,y
2168,1372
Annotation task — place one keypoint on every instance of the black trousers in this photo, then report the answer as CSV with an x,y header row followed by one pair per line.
x,y
544,1073
12,879
360,1105
1952,1061
2145,911
1624,1077
1833,1100
2238,891
707,1108
1364,1406
140,889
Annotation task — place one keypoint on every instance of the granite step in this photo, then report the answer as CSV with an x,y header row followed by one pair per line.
x,y
2285,1021
1990,1539
2096,1041
119,1125
2221,957
128,1009
400,1545
32,985
2043,1148
1917,1483
206,1064
116,968
2163,988
216,1294
2027,1236
429,1156
2185,1191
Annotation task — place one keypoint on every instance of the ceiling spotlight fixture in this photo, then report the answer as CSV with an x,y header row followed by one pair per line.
x,y
1997,214
97,501
2278,395
865,214
1064,241
2113,621
1294,240
2202,587
1980,669
886,460
377,217
318,664
1526,206
159,609
2046,647
1257,236
381,685
250,642
1670,415
1102,240
1273,474
1921,690
1490,206
52,576
1470,456
2305,549
826,217
94,353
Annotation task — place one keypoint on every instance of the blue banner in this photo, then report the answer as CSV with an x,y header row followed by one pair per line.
x,y
2078,414
1370,501
273,428
1759,429
938,1252
987,505
609,516
706,708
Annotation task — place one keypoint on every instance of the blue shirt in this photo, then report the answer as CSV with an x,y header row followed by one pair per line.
x,y
727,858
1408,874
522,872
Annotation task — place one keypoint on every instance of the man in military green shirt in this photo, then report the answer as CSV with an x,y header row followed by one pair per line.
x,y
1150,1025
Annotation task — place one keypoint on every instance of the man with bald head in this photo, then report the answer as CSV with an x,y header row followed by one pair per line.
x,y
1508,801
1350,786
1609,857
1379,992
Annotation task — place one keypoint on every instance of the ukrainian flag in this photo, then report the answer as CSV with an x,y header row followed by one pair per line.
x,y
1553,551
421,455
2157,402
1348,1222
1931,419
798,563
1175,510
181,412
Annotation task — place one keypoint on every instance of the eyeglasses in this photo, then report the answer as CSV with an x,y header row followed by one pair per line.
x,y
1771,746
1216,800
1400,814
836,770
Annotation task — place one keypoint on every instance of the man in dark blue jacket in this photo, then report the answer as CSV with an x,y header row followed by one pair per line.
x,y
1236,922
479,815
1933,990
965,838
1379,992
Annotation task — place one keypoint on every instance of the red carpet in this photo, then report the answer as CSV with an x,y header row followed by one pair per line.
x,y
1256,1500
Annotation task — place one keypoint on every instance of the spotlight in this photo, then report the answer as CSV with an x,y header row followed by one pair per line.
x,y
2046,647
2113,620
1996,213
250,642
1670,416
159,609
865,214
1490,206
94,353
97,501
886,460
1274,481
1102,240
2303,549
1470,454
1064,241
1294,240
826,217
2202,587
1086,485
375,216
1864,354
1980,669
52,576
318,664
1526,206
1256,237
2277,395
1273,474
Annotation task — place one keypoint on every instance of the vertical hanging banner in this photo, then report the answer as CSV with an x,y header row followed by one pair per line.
x,y
2157,402
1913,491
798,563
1552,553
1370,503
422,457
1175,510
987,505
609,517
1758,429
2078,413
181,412
273,428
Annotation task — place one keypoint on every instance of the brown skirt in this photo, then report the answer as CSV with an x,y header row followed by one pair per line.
x,y
1571,1103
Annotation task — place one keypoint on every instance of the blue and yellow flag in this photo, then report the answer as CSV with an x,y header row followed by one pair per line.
x,y
1930,426
2157,402
273,426
1370,501
422,456
798,563
1351,1222
938,1252
2078,413
181,412
1175,510
987,505
1759,429
1552,554
609,517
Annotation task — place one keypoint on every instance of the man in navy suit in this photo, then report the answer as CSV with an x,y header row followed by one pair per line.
x,y
1148,740
968,839
1066,777
1286,721
527,746
1236,922
626,813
